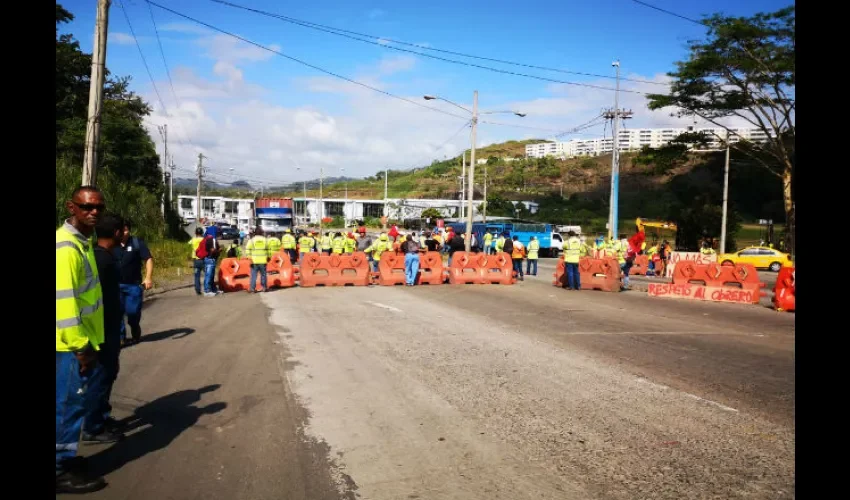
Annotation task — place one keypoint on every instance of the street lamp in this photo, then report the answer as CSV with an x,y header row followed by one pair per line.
x,y
345,204
474,113
306,217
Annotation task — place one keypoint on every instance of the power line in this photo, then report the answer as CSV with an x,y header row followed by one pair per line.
x,y
701,23
304,63
444,59
144,61
340,31
167,71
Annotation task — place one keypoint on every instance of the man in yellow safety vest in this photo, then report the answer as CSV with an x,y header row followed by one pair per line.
x,y
350,244
338,243
79,333
381,245
288,244
305,244
258,251
572,254
273,243
533,251
325,243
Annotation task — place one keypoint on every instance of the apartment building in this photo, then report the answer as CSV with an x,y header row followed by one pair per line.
x,y
635,139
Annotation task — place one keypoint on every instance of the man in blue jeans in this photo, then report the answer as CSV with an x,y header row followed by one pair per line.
x,y
99,426
410,247
131,255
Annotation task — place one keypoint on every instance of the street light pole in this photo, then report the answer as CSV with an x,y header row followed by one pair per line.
x,y
463,185
321,200
345,204
474,121
615,161
468,243
725,198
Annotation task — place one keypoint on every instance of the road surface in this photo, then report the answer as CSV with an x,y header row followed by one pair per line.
x,y
455,392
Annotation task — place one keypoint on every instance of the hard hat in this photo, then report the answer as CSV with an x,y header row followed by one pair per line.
x,y
288,230
384,237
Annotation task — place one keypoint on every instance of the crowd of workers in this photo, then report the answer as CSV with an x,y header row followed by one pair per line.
x,y
259,246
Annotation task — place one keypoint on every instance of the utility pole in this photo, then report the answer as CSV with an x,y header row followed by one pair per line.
x,y
468,243
171,186
725,198
98,69
163,131
345,204
615,115
463,185
200,180
321,200
386,176
484,215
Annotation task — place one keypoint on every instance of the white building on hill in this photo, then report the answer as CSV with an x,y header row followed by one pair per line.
x,y
635,139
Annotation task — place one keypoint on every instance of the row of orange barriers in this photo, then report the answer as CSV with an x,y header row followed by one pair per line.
x,y
318,269
594,274
737,283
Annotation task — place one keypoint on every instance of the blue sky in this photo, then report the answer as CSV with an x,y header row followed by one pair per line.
x,y
261,114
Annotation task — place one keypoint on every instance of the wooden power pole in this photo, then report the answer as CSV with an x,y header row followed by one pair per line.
x,y
98,70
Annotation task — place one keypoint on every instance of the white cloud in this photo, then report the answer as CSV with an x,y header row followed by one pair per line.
x,y
237,125
185,28
119,38
228,49
376,13
396,64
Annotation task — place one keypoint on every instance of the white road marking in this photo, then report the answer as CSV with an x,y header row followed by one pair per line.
x,y
384,306
688,394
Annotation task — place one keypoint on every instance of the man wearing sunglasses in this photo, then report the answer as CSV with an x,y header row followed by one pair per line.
x,y
131,255
79,334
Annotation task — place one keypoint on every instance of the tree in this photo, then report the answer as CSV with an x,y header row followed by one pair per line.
x,y
745,68
431,213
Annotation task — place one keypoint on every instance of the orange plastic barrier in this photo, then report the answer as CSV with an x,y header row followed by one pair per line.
x,y
640,266
391,269
595,274
234,275
736,284
481,269
334,270
279,272
784,292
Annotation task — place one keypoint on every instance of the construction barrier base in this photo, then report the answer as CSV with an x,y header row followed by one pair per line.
x,y
334,270
595,274
691,291
481,269
784,292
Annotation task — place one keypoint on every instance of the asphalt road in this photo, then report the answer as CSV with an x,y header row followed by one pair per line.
x,y
460,392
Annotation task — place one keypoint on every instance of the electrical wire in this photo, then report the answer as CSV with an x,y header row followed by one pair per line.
x,y
444,59
168,73
701,23
305,63
340,31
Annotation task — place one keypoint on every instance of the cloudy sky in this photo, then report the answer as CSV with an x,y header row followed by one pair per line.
x,y
258,115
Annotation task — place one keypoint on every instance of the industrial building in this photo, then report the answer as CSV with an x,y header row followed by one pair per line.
x,y
240,212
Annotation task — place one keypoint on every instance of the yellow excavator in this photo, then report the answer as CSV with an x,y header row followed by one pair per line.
x,y
659,226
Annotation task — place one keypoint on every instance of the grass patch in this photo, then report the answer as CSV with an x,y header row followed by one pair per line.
x,y
172,261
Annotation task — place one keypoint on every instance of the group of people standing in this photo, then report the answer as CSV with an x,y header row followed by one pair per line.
x,y
98,282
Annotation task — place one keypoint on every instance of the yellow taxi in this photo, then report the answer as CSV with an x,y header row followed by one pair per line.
x,y
759,257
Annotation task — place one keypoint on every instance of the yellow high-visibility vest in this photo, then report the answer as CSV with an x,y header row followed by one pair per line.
x,y
258,250
273,244
533,248
79,315
572,252
288,242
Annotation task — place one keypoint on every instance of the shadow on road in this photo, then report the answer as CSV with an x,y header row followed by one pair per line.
x,y
174,333
162,421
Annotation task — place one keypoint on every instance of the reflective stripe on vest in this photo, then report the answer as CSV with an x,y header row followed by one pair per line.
x,y
79,299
